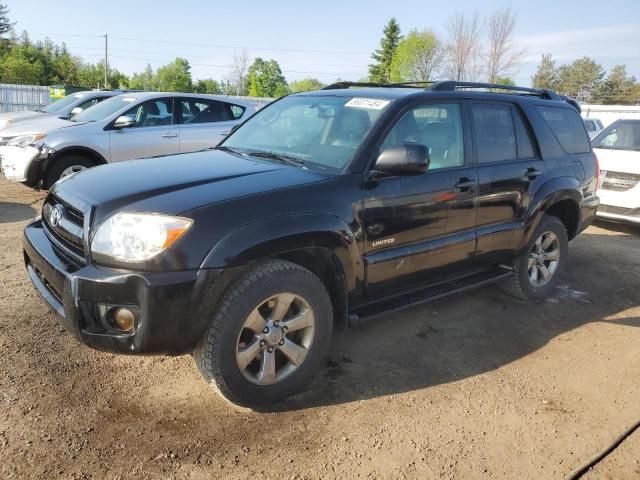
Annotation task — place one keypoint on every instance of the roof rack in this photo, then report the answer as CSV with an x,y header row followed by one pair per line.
x,y
340,85
452,85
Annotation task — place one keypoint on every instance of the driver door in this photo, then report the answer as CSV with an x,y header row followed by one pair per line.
x,y
154,132
420,229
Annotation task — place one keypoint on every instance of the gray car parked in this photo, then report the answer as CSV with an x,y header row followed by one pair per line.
x,y
66,107
129,126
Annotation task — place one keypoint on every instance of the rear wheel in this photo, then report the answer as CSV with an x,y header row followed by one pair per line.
x,y
268,335
536,271
66,166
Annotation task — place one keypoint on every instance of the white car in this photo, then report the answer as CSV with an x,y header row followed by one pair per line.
x,y
618,150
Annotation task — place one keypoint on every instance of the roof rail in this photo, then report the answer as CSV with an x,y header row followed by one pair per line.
x,y
340,85
452,85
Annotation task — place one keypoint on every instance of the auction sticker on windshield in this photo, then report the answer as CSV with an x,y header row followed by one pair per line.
x,y
370,103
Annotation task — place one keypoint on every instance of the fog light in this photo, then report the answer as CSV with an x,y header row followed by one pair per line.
x,y
124,318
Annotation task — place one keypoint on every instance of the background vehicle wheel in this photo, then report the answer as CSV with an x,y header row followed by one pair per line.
x,y
537,270
66,166
268,335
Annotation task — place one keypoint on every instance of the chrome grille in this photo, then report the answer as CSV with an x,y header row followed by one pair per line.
x,y
619,181
65,225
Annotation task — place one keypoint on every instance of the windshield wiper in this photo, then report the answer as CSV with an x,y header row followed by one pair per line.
x,y
278,156
224,148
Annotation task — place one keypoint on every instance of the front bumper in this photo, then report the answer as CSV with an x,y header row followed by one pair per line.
x,y
172,308
15,161
620,206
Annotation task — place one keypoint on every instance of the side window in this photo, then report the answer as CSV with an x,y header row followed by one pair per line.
x,y
152,113
203,111
525,145
567,127
234,111
495,134
438,126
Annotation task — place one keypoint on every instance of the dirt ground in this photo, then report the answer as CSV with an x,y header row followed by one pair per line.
x,y
475,386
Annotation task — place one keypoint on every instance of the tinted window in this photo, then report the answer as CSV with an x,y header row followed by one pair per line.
x,y
619,136
496,138
207,111
152,113
525,145
439,127
590,125
236,111
568,128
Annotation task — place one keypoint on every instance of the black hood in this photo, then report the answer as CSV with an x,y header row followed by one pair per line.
x,y
176,183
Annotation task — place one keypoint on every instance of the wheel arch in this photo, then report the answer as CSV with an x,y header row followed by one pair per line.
x,y
322,243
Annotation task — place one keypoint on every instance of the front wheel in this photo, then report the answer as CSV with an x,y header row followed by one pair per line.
x,y
537,269
268,335
66,166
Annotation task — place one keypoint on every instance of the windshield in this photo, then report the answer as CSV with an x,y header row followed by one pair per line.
x,y
62,103
102,110
320,133
623,135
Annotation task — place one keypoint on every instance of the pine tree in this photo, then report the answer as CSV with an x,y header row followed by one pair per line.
x,y
380,71
618,88
547,74
5,23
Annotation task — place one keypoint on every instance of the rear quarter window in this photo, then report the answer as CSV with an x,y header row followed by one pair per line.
x,y
567,127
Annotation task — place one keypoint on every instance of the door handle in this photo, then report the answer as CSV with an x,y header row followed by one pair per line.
x,y
169,135
532,173
463,184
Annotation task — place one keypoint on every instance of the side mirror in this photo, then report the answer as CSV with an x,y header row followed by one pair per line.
x,y
75,111
409,159
123,122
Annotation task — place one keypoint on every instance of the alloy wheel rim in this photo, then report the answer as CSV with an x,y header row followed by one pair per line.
x,y
275,338
72,169
544,259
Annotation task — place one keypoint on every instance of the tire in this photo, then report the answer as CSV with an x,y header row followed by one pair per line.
x,y
217,355
522,284
56,170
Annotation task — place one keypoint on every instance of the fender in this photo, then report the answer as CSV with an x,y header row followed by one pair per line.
x,y
555,190
100,160
267,238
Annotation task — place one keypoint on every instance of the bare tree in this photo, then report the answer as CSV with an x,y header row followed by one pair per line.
x,y
502,54
463,46
239,71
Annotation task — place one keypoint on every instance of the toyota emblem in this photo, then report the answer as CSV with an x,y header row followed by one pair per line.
x,y
55,215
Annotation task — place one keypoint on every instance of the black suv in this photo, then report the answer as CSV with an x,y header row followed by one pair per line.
x,y
322,209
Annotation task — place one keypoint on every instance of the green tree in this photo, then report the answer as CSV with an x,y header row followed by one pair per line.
x,y
546,75
618,88
418,57
91,75
306,85
5,23
380,70
580,79
266,79
175,76
504,81
208,85
145,80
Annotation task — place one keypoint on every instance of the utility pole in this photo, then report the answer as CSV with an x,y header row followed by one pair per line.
x,y
106,61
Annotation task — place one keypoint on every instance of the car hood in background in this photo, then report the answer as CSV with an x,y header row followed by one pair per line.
x,y
627,161
174,184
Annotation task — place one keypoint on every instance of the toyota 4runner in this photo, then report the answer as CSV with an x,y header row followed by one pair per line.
x,y
322,209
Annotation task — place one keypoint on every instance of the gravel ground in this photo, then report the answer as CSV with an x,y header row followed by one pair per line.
x,y
475,386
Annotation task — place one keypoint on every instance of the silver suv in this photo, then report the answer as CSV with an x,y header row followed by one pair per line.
x,y
129,126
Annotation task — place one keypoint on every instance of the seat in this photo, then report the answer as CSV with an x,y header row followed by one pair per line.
x,y
149,114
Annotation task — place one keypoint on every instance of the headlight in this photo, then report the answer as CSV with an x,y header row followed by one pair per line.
x,y
136,237
25,140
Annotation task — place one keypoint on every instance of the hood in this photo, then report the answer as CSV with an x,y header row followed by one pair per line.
x,y
176,183
8,119
43,123
627,161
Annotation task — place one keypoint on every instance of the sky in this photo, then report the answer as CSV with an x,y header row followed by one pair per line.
x,y
326,40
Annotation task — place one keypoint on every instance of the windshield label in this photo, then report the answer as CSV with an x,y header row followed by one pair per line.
x,y
370,103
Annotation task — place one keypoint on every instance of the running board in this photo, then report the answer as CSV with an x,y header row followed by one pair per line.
x,y
416,297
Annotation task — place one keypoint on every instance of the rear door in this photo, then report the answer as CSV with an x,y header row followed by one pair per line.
x,y
154,132
510,171
419,229
204,122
